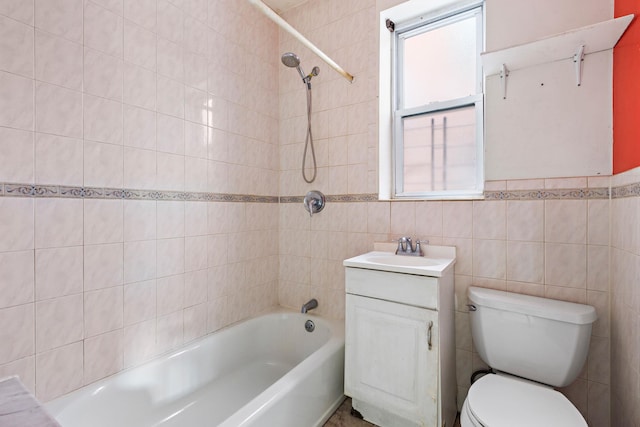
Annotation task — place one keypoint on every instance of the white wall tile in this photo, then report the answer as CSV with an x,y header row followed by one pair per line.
x,y
457,219
139,220
19,10
103,310
170,59
139,128
489,258
525,220
16,278
565,265
139,302
169,331
58,160
195,287
139,342
170,21
195,174
59,371
19,330
196,257
58,322
489,220
195,105
525,262
16,101
16,224
103,165
170,134
195,71
170,219
170,257
24,368
196,218
170,172
58,223
60,17
103,221
139,261
598,222
17,160
58,272
103,74
170,294
566,221
142,12
58,110
58,61
139,46
103,266
16,52
195,322
170,97
139,169
102,120
139,86
103,30
106,355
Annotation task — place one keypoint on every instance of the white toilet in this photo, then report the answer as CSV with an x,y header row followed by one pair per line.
x,y
533,344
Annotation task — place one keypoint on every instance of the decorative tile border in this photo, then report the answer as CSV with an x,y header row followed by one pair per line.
x,y
630,190
31,190
559,194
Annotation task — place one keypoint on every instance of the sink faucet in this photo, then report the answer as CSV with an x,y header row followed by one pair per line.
x,y
309,305
405,247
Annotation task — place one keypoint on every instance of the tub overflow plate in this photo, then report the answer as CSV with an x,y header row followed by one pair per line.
x,y
309,325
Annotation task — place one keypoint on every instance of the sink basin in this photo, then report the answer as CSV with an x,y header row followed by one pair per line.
x,y
387,261
402,260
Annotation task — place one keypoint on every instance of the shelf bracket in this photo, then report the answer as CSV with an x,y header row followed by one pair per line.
x,y
578,59
504,73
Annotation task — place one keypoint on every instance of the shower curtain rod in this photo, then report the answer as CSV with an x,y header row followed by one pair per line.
x,y
271,14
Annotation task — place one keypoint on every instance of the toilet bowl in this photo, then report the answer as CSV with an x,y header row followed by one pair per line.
x,y
498,400
532,344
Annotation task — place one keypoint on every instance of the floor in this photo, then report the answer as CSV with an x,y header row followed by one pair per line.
x,y
342,418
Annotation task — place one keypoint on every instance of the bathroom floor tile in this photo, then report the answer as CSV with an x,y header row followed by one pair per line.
x,y
342,418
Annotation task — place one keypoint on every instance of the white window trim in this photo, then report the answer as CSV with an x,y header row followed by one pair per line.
x,y
418,10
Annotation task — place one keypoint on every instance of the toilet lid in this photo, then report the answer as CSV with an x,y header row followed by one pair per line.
x,y
501,401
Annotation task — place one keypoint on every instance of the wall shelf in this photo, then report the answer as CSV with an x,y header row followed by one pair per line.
x,y
595,38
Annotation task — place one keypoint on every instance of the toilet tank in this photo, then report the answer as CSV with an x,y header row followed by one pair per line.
x,y
536,338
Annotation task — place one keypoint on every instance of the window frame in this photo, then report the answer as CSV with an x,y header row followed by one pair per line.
x,y
391,164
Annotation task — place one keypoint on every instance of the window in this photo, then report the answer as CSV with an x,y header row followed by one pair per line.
x,y
434,107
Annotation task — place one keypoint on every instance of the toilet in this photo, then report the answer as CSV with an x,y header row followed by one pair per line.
x,y
533,345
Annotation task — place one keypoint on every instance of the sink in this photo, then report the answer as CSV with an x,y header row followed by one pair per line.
x,y
388,261
400,260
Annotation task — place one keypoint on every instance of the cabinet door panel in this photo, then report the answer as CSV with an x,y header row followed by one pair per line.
x,y
388,360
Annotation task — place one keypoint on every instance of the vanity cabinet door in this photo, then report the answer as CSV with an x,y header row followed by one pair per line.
x,y
388,360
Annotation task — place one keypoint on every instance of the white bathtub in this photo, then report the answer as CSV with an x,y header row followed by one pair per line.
x,y
266,371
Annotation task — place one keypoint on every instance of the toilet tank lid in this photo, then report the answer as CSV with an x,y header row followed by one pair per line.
x,y
562,311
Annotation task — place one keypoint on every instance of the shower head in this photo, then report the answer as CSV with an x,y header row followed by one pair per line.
x,y
292,60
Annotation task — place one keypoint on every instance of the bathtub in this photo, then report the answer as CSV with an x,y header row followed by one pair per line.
x,y
266,371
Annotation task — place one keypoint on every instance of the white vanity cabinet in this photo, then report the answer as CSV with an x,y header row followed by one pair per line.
x,y
400,347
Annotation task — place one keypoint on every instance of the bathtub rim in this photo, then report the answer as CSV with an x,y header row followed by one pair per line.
x,y
335,341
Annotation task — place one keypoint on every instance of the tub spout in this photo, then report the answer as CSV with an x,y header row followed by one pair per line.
x,y
309,305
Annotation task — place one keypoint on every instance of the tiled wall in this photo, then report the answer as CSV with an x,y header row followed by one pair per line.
x,y
553,244
625,302
150,95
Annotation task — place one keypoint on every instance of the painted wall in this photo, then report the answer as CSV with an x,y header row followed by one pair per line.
x,y
626,92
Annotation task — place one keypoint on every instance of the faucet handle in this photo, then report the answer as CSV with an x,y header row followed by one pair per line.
x,y
418,250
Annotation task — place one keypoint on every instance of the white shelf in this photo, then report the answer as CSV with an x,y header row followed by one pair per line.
x,y
595,38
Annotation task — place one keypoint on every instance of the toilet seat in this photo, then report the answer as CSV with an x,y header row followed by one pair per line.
x,y
497,400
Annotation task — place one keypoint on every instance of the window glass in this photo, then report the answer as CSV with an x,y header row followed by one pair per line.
x,y
439,64
440,151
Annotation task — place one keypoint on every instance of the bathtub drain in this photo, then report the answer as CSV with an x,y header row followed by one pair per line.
x,y
309,325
